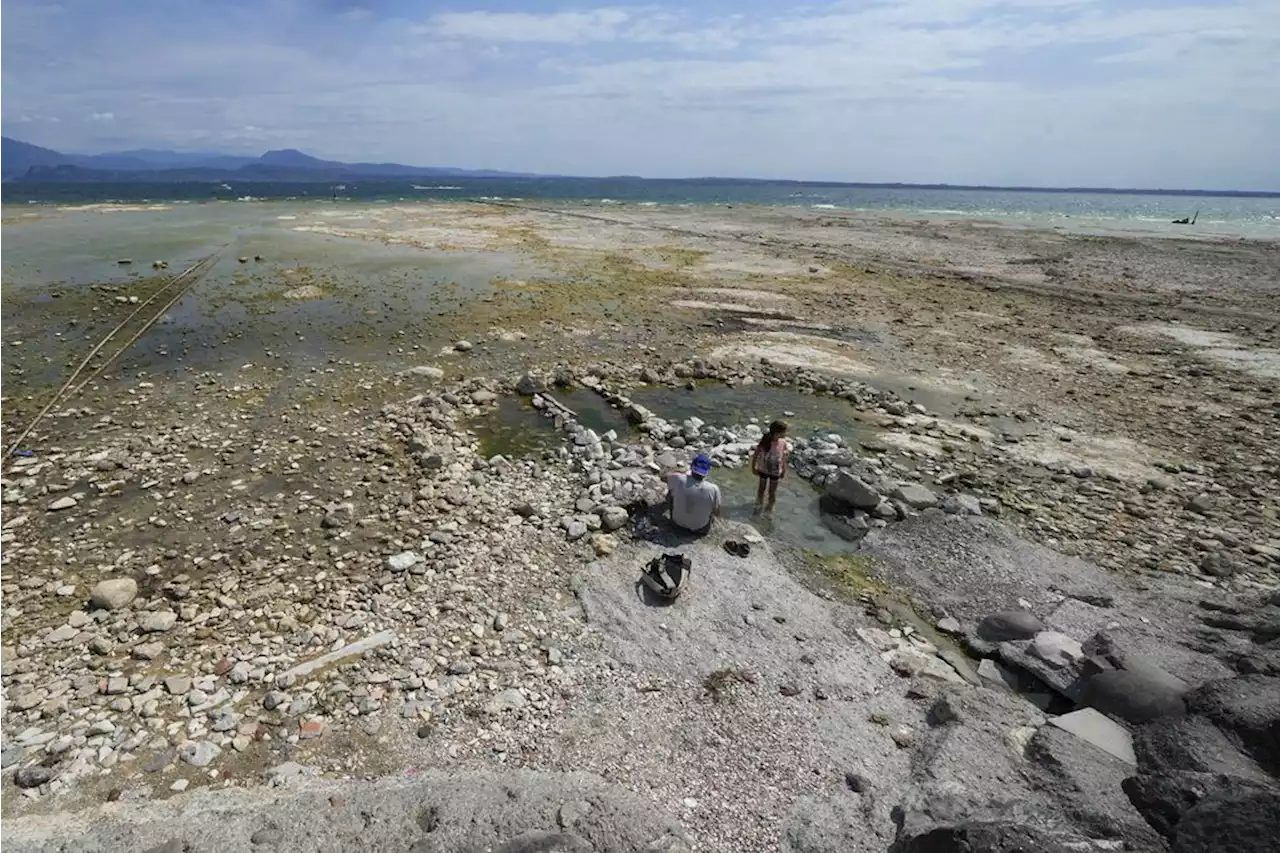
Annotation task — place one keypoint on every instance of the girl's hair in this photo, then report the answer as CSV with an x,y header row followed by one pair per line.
x,y
776,429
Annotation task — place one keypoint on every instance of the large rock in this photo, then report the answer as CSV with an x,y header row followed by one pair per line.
x,y
853,491
1086,785
1247,709
915,496
1191,743
114,593
1236,820
1163,798
1010,625
1066,680
1131,696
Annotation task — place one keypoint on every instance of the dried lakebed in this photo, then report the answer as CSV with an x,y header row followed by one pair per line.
x,y
352,606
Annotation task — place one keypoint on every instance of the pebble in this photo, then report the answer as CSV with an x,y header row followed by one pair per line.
x,y
157,622
199,753
114,593
65,502
179,785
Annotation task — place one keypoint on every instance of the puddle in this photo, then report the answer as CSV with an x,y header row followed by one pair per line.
x,y
515,429
796,519
593,411
725,405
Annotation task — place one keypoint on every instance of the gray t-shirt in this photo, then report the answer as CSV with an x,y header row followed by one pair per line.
x,y
693,501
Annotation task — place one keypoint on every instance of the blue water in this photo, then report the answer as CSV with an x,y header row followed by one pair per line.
x,y
1255,213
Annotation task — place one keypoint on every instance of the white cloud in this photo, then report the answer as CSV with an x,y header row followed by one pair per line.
x,y
992,91
105,116
553,28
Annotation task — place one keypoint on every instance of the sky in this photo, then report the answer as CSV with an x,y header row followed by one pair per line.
x,y
1127,93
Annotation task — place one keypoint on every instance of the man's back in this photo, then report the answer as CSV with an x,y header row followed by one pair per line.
x,y
693,501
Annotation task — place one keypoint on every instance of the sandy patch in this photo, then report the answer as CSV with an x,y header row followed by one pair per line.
x,y
796,350
1032,358
306,291
736,307
1092,358
1119,457
1221,347
779,323
762,296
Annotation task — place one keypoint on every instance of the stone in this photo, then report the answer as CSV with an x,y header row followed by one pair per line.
x,y
857,783
310,730
177,685
961,505
603,544
424,370
157,621
274,699
853,491
1131,696
65,502
1238,819
61,634
995,675
403,561
531,384
950,625
1247,709
26,700
572,812
148,651
1010,625
114,593
463,346
481,398
510,699
575,530
915,496
1056,649
33,776
179,785
199,753
910,662
1093,727
267,836
1163,798
613,517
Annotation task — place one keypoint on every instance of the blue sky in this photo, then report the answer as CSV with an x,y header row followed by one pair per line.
x,y
1157,93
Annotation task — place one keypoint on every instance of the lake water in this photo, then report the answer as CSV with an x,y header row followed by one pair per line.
x,y
1225,215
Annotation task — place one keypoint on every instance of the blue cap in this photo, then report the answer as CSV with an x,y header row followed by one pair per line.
x,y
701,465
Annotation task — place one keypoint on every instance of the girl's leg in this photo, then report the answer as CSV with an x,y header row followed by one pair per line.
x,y
760,492
773,493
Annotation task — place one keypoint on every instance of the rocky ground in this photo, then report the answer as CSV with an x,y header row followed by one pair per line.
x,y
1054,626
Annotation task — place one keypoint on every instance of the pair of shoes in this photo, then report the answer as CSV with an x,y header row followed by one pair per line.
x,y
737,549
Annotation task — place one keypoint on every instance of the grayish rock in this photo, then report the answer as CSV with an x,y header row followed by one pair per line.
x,y
114,593
1056,649
853,491
199,753
1009,625
1131,696
915,496
157,621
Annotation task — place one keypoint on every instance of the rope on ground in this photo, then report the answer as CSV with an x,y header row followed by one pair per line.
x,y
190,275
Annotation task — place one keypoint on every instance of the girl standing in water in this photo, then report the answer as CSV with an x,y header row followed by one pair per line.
x,y
770,463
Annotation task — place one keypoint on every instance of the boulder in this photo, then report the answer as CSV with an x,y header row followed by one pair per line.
x,y
1131,696
1085,783
613,517
1247,710
1010,625
531,384
853,491
114,593
1163,798
1239,819
915,496
1191,743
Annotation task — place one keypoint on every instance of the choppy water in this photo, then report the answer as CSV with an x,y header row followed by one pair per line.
x,y
1229,214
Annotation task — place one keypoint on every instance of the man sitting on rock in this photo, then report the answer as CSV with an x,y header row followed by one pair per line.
x,y
692,500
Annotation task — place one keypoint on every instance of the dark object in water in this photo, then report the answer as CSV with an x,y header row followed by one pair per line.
x,y
1185,221
666,575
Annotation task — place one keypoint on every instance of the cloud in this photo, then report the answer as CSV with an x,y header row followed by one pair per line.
x,y
1164,92
105,116
553,28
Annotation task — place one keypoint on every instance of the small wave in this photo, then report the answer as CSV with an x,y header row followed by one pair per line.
x,y
648,204
441,187
286,217
826,206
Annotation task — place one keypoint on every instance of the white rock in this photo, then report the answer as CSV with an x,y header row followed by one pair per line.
x,y
403,561
65,502
114,593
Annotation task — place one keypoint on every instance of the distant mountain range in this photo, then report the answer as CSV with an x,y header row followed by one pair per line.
x,y
22,161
